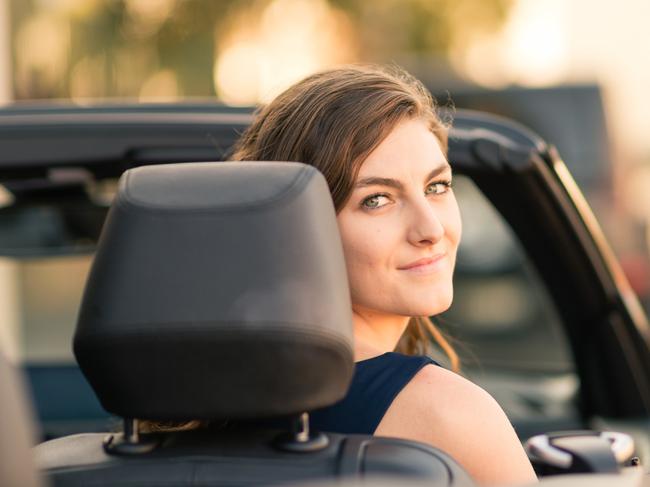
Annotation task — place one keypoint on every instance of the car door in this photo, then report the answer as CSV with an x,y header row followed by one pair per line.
x,y
588,321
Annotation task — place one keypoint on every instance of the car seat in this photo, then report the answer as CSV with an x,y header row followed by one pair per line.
x,y
219,293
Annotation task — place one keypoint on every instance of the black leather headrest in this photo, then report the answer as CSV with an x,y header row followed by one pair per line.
x,y
219,290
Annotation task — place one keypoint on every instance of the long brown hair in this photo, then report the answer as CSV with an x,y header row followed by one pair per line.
x,y
333,120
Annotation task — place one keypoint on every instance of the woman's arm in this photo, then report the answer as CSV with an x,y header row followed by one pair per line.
x,y
449,412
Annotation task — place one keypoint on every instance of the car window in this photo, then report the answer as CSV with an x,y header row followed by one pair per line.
x,y
46,247
506,329
50,290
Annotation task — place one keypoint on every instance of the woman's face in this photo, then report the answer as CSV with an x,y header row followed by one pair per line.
x,y
401,226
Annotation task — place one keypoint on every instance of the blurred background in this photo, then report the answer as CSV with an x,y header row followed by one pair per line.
x,y
576,71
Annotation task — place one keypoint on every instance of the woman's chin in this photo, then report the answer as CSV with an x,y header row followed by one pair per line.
x,y
431,305
424,303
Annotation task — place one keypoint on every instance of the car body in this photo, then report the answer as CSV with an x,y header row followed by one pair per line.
x,y
567,345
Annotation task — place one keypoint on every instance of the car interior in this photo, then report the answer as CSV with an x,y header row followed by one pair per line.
x,y
218,292
181,320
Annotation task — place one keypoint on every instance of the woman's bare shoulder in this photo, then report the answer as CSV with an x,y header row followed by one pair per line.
x,y
435,403
443,409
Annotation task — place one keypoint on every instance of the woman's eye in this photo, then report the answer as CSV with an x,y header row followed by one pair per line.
x,y
439,187
374,201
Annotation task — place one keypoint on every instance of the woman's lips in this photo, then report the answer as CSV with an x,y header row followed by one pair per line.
x,y
426,265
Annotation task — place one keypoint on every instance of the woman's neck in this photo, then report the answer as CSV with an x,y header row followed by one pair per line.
x,y
375,334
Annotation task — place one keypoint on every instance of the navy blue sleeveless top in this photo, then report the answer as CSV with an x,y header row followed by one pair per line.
x,y
375,384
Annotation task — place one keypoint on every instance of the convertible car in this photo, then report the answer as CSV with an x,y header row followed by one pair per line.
x,y
203,264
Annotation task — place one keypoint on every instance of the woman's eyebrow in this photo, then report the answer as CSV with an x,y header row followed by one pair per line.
x,y
394,183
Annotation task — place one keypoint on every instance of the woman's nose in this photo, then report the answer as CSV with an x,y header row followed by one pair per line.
x,y
426,228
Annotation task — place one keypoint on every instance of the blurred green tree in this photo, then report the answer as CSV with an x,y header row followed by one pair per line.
x,y
167,48
390,28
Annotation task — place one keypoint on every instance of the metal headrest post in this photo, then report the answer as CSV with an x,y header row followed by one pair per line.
x,y
129,442
300,438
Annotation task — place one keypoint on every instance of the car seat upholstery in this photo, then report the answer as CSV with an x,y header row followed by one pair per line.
x,y
16,431
219,293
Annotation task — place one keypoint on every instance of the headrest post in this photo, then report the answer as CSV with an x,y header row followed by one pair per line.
x,y
300,438
130,442
131,434
300,428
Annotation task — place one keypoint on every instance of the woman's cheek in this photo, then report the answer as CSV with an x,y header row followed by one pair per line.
x,y
360,264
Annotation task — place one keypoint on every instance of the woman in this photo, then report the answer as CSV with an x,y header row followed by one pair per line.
x,y
375,136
